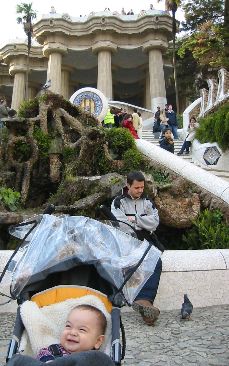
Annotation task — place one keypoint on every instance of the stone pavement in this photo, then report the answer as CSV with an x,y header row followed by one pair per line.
x,y
202,341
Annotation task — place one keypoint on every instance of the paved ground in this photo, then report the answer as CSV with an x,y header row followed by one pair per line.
x,y
202,341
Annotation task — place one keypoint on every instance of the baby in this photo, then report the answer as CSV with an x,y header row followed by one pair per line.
x,y
84,330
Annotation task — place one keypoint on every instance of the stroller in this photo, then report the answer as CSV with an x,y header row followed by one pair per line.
x,y
62,258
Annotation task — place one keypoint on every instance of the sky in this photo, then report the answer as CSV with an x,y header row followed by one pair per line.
x,y
10,30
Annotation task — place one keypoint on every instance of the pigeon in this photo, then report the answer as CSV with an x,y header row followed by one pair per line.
x,y
46,85
186,309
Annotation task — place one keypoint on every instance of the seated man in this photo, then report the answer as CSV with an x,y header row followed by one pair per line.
x,y
137,210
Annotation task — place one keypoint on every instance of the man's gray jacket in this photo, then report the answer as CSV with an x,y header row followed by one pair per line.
x,y
143,209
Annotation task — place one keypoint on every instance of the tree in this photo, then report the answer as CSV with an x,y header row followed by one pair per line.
x,y
172,6
196,14
26,15
209,37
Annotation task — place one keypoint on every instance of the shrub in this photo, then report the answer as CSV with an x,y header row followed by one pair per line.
x,y
215,128
161,177
133,160
22,151
208,232
43,141
9,198
29,108
179,120
119,141
68,154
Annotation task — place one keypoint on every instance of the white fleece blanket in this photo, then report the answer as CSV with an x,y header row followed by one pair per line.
x,y
43,326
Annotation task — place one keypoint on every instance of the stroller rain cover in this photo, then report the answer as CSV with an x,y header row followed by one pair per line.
x,y
84,240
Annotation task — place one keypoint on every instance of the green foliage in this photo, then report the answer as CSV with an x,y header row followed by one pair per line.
x,y
22,151
9,198
25,12
215,128
208,232
68,154
180,120
29,108
196,14
160,176
43,141
119,140
206,45
133,160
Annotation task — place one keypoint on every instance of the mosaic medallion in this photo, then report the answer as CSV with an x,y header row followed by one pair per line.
x,y
211,155
92,101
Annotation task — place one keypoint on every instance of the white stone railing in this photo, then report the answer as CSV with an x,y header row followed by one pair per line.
x,y
204,179
203,274
218,91
145,113
209,155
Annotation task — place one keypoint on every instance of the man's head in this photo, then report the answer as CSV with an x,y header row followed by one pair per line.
x,y
170,107
135,110
84,330
135,184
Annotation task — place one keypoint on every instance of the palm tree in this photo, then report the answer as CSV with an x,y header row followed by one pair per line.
x,y
172,6
26,15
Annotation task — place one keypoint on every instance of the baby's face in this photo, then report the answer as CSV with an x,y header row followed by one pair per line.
x,y
82,331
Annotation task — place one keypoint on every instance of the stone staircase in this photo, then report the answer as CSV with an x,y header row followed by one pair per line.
x,y
148,135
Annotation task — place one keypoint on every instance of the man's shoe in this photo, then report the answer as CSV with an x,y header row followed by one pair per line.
x,y
179,153
186,152
146,309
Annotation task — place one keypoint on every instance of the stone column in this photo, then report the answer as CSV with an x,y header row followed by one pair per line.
x,y
147,92
19,85
65,87
32,92
54,52
156,72
104,50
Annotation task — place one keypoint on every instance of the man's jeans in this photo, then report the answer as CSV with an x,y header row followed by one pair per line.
x,y
174,131
149,290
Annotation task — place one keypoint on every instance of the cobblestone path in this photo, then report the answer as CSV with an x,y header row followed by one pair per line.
x,y
202,341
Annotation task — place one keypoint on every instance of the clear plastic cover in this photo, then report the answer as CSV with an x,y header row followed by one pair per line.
x,y
56,239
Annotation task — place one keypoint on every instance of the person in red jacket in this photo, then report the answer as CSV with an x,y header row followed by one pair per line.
x,y
128,123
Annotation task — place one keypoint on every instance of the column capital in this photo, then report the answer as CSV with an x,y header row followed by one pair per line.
x,y
157,44
54,48
104,46
14,69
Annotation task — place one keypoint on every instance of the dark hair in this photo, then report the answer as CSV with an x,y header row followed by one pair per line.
x,y
101,317
135,110
192,117
166,129
139,114
135,176
128,116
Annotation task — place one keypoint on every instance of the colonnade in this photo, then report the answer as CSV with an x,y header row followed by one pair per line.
x,y
59,74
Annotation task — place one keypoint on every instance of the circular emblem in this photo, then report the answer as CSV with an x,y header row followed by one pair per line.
x,y
91,100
